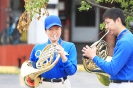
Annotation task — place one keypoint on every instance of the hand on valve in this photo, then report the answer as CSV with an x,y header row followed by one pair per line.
x,y
89,52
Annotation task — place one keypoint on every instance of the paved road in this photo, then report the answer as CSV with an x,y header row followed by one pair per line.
x,y
79,80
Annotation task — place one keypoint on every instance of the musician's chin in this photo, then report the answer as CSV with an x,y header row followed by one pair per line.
x,y
54,40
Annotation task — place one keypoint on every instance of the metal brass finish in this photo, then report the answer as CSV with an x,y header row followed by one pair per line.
x,y
30,75
102,50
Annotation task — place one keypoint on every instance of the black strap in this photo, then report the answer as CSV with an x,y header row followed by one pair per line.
x,y
120,81
55,80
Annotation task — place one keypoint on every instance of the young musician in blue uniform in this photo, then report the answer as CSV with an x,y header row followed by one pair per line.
x,y
120,68
57,77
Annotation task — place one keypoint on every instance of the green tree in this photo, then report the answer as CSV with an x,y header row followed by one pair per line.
x,y
32,8
126,6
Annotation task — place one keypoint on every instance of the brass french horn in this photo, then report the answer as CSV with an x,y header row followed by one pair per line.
x,y
102,50
30,75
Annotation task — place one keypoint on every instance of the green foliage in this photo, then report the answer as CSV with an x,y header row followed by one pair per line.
x,y
102,26
84,6
126,5
34,6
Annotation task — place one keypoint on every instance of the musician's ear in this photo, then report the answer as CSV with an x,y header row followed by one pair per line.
x,y
118,20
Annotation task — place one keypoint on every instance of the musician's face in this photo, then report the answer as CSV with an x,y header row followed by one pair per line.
x,y
54,33
111,25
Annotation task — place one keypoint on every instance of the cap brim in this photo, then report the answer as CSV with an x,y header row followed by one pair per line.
x,y
49,26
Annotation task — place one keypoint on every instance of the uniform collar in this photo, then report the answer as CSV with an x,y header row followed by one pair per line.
x,y
122,34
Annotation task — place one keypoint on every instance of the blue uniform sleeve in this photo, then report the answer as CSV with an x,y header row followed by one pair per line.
x,y
121,55
71,64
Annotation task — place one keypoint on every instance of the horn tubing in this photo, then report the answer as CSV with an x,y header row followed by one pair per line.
x,y
104,35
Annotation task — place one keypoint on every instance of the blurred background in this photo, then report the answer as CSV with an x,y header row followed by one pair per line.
x,y
81,28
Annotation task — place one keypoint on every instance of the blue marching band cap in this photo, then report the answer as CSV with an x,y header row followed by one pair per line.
x,y
52,20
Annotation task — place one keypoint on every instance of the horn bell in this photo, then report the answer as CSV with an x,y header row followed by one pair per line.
x,y
31,76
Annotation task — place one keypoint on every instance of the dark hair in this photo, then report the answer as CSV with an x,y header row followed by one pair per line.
x,y
114,13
